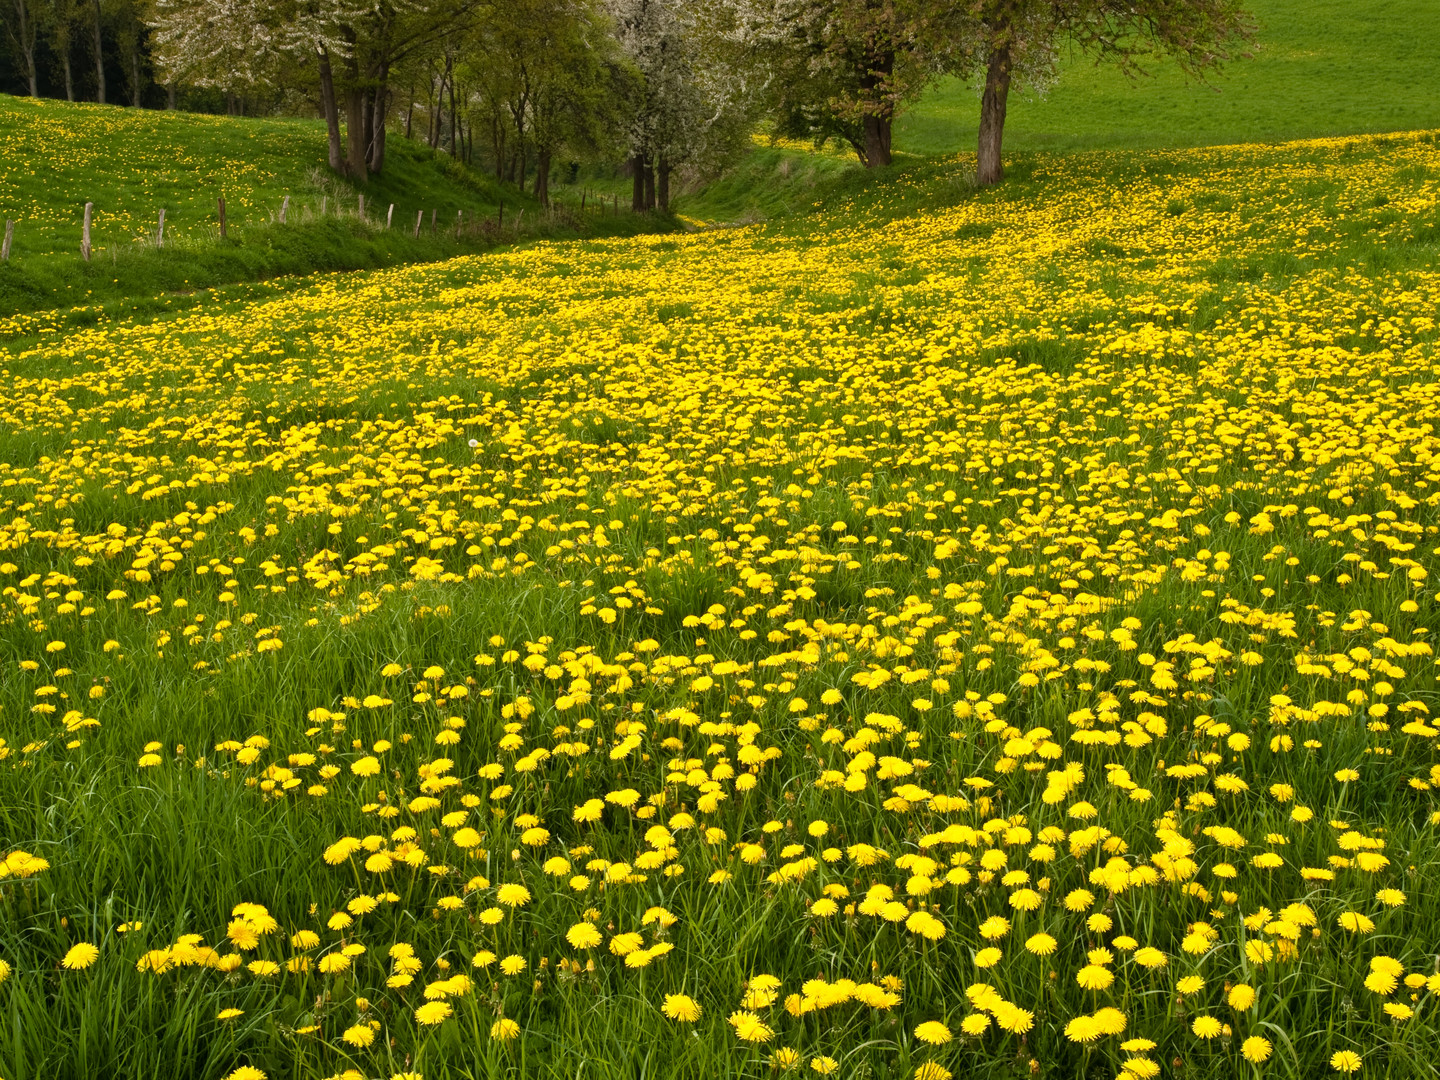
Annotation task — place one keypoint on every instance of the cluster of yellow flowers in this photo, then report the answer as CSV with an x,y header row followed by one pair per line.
x,y
970,638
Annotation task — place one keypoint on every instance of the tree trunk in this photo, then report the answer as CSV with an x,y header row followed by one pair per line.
x,y
637,188
379,107
877,141
662,186
879,112
410,110
135,71
27,45
332,112
356,109
649,186
988,169
170,97
542,177
437,106
452,108
365,130
69,75
99,58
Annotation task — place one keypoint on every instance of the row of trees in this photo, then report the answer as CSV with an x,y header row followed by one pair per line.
x,y
848,67
668,83
84,44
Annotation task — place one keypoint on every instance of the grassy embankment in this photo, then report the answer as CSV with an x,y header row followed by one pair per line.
x,y
131,163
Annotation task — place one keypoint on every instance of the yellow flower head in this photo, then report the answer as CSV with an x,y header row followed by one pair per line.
x,y
80,956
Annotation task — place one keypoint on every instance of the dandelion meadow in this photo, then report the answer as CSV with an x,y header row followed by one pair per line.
x,y
984,637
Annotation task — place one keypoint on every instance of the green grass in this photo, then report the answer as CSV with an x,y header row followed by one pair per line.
x,y
141,278
1320,67
769,181
1130,409
1015,449
1312,74
129,163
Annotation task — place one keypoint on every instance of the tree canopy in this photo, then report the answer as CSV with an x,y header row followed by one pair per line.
x,y
661,84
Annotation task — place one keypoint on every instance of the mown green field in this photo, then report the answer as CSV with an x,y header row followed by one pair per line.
x,y
951,633
1319,68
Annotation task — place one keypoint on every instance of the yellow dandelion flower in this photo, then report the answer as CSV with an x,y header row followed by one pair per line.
x,y
975,1023
433,1012
80,956
1345,1061
1040,944
933,1032
513,895
1207,1027
1256,1049
681,1007
749,1027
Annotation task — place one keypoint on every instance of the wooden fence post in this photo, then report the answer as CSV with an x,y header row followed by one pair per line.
x,y
432,222
389,215
222,216
160,231
459,221
85,233
362,206
9,235
324,205
419,219
284,206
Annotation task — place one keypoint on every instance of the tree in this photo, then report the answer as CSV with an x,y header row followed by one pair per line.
x,y
22,26
64,18
693,99
1022,36
847,67
355,44
227,45
129,30
552,64
97,24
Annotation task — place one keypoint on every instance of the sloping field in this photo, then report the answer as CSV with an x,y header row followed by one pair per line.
x,y
988,638
131,163
1316,68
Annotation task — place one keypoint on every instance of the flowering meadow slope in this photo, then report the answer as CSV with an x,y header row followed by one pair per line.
x,y
990,639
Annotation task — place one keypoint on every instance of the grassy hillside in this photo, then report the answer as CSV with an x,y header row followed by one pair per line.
x,y
1313,74
959,633
130,163
1321,67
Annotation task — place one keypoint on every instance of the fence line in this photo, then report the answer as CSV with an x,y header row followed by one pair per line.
x,y
475,227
